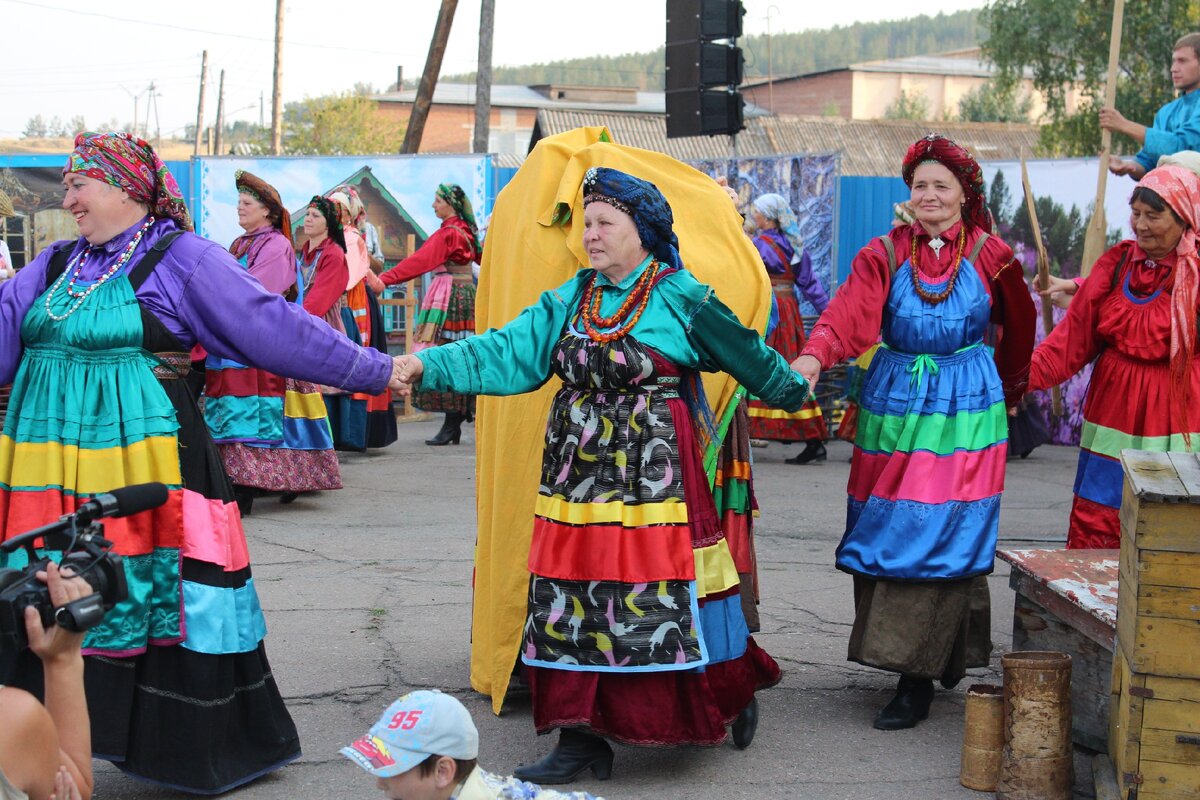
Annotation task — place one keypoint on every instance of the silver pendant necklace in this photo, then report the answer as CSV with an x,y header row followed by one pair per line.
x,y
936,244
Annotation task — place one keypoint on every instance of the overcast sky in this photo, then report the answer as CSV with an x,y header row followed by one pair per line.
x,y
65,58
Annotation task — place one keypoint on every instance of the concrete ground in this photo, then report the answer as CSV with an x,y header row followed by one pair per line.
x,y
367,595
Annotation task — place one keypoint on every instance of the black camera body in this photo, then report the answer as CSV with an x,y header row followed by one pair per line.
x,y
89,555
80,537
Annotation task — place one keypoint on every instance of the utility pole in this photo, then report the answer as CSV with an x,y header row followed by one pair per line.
x,y
261,119
483,77
277,86
157,124
200,105
433,67
220,115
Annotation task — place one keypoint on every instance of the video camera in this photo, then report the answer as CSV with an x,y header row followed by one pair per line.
x,y
85,550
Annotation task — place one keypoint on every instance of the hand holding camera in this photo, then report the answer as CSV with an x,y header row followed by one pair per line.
x,y
56,642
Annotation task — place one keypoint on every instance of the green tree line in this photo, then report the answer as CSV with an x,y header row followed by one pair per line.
x,y
791,53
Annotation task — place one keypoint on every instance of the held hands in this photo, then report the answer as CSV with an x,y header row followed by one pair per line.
x,y
810,369
406,373
1060,290
56,644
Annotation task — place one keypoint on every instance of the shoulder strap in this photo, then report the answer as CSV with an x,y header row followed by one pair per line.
x,y
783,259
1116,276
978,248
143,268
58,263
891,254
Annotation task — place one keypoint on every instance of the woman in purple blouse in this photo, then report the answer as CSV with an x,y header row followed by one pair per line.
x,y
94,337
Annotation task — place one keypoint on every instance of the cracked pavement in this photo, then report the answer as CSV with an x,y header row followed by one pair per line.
x,y
367,595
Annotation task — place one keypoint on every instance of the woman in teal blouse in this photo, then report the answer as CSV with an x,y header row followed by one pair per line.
x,y
635,629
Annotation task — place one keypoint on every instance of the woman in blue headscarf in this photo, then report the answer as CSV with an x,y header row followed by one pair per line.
x,y
635,630
790,268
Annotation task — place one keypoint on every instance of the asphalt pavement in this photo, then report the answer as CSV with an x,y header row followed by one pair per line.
x,y
367,595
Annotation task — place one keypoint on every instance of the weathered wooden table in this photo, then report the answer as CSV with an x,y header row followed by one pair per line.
x,y
1067,601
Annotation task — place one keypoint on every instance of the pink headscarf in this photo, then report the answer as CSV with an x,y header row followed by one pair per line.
x,y
1180,189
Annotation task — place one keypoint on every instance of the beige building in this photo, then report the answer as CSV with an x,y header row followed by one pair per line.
x,y
868,89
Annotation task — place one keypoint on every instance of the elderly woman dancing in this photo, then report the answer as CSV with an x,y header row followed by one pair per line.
x,y
273,432
635,630
448,308
928,466
790,267
1135,315
94,337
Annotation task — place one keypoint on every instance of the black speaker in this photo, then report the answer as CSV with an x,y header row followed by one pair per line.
x,y
704,67
704,112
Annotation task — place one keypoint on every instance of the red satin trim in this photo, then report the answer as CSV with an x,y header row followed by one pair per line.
x,y
611,552
1093,526
243,383
131,536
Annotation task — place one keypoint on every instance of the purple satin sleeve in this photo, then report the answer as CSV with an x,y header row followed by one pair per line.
x,y
274,264
227,311
809,286
769,256
17,295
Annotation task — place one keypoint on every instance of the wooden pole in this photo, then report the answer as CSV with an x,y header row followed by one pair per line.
x,y
483,77
199,106
218,146
1097,230
1043,271
277,85
433,68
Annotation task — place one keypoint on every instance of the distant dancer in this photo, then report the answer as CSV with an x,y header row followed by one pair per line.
x,y
790,267
448,308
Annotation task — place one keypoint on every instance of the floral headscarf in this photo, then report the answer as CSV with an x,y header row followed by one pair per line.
x,y
641,200
955,158
1180,189
775,206
127,162
263,192
454,195
332,222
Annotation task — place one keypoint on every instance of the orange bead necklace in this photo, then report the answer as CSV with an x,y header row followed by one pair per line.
x,y
933,298
589,312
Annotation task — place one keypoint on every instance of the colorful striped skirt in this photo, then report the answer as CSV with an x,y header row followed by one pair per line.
x,y
928,468
447,314
788,340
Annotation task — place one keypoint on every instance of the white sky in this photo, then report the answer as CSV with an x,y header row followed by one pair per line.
x,y
67,57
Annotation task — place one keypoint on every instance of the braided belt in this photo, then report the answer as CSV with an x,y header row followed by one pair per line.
x,y
172,366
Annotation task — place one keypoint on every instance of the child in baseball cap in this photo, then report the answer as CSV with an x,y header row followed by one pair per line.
x,y
425,747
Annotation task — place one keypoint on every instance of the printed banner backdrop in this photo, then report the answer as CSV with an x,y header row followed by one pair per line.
x,y
809,182
397,191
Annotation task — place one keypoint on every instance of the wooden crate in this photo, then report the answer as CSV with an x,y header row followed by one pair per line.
x,y
1158,599
1154,725
1154,734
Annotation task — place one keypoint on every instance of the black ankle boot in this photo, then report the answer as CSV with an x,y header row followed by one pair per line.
x,y
908,707
244,495
575,752
745,725
451,430
813,453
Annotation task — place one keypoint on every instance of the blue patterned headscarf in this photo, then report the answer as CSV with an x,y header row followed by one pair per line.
x,y
641,200
775,207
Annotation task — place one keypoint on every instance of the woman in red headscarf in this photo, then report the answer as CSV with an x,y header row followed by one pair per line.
x,y
928,466
1136,315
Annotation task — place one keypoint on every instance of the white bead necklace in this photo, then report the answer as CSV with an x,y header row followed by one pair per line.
x,y
75,269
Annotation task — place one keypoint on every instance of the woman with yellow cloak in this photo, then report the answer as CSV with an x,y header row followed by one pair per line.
x,y
628,618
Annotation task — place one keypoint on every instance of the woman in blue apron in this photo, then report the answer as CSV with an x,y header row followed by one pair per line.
x,y
923,510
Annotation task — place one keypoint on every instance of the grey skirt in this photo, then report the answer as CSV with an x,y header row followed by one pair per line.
x,y
924,630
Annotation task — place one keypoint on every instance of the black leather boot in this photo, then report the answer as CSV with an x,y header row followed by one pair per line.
x,y
451,430
575,752
813,453
908,707
244,495
745,725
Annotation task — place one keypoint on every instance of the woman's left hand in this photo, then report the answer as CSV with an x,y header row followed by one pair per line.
x,y
810,369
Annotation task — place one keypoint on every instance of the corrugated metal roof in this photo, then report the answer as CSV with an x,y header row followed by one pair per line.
x,y
868,147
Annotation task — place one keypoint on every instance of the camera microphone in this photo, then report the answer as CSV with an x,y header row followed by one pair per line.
x,y
122,502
